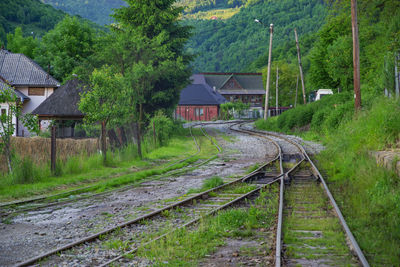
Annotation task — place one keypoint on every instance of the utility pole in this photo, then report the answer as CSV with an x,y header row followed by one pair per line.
x,y
297,88
277,91
300,66
271,33
356,56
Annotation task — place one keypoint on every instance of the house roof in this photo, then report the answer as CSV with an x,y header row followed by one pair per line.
x,y
200,94
4,85
63,103
19,70
248,81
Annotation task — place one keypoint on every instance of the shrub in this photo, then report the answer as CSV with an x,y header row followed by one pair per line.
x,y
164,127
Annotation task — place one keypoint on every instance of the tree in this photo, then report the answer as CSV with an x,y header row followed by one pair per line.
x,y
146,47
7,122
66,46
155,26
104,102
16,43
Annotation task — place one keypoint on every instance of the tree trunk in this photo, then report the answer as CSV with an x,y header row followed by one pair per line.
x,y
139,140
114,141
8,156
103,141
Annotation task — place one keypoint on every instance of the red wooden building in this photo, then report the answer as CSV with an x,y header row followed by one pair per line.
x,y
198,101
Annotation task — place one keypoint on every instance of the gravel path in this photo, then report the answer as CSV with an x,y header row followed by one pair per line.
x,y
33,233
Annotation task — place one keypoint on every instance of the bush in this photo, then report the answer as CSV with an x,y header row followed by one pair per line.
x,y
164,127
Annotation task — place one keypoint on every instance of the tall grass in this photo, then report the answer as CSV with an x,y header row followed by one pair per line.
x,y
369,195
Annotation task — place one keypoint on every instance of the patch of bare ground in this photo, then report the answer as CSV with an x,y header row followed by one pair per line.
x,y
254,251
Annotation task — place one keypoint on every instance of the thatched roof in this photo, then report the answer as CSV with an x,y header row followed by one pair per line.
x,y
63,103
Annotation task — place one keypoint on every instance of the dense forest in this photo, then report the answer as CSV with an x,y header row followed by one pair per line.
x,y
235,44
98,11
32,16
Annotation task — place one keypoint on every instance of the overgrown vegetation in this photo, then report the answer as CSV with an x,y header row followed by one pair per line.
x,y
187,247
122,167
208,184
367,194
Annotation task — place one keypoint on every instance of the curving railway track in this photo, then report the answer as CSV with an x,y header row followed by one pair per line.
x,y
311,215
184,213
304,202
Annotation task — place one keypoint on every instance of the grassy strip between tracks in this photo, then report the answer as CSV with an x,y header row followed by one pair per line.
x,y
188,247
368,194
123,172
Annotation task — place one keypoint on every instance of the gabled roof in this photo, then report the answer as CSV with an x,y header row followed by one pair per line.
x,y
63,103
4,86
19,70
248,81
200,94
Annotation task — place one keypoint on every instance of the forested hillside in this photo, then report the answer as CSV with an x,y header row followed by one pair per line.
x,y
32,16
235,44
95,10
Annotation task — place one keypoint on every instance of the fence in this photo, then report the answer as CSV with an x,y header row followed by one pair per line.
x,y
38,149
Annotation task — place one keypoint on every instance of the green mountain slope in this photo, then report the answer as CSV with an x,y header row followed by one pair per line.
x,y
233,45
32,16
95,10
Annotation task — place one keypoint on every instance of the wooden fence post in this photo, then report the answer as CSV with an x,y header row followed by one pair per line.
x,y
53,150
154,134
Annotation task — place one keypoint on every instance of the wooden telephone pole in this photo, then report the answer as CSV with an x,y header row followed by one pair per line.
x,y
300,67
277,90
271,31
297,89
356,56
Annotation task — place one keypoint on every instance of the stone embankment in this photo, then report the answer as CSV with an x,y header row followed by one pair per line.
x,y
389,159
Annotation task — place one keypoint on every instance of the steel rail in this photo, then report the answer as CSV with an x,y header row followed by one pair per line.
x,y
46,205
278,240
147,216
194,221
354,245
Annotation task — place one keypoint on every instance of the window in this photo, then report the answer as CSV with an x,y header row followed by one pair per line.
x,y
38,91
199,112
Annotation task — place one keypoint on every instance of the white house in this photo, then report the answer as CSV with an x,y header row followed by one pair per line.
x,y
31,83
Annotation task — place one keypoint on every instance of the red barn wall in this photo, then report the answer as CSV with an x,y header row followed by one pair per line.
x,y
189,113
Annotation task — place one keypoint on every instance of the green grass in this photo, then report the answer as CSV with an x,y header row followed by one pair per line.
x,y
368,195
127,168
187,247
314,214
208,184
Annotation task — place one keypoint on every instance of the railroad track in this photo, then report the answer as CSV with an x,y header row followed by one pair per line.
x,y
309,218
299,186
14,208
183,213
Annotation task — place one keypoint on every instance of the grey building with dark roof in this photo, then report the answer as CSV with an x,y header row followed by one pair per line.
x,y
246,87
31,83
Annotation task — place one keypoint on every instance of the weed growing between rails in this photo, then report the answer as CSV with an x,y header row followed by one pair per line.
x,y
367,194
188,247
126,168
